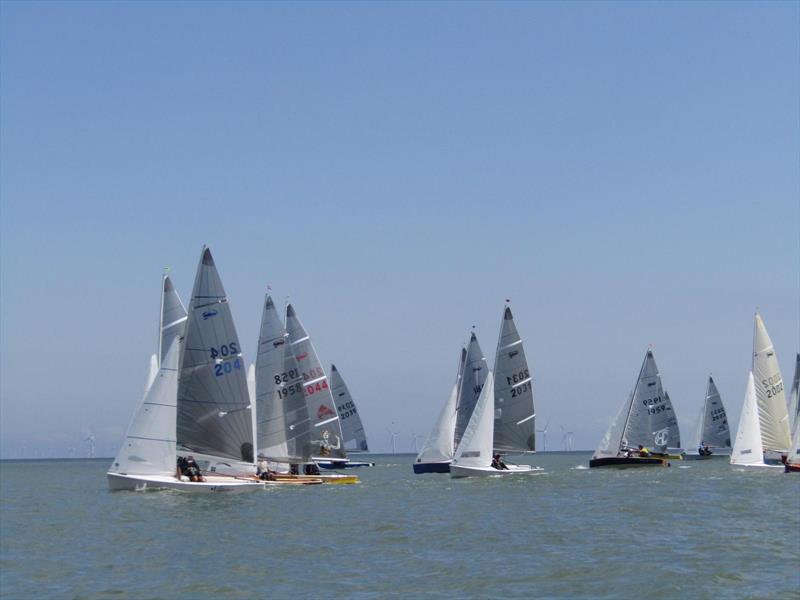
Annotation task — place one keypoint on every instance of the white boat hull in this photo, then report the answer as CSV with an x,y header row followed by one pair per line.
x,y
462,471
118,481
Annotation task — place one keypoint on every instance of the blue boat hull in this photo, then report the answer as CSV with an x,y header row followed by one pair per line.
x,y
437,467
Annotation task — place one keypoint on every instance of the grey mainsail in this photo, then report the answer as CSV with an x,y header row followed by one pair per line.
x,y
794,396
326,431
514,412
475,370
283,430
355,439
651,421
172,323
214,416
773,414
716,432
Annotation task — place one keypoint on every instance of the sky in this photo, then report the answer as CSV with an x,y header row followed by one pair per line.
x,y
628,174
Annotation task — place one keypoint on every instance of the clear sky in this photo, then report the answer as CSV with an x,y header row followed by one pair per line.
x,y
627,173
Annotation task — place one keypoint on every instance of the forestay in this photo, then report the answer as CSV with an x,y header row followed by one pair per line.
x,y
748,448
439,445
651,420
283,432
772,413
326,431
514,412
214,416
149,447
475,370
353,434
475,449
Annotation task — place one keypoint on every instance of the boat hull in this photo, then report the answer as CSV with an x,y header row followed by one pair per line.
x,y
457,471
119,482
330,479
626,462
347,464
432,467
791,468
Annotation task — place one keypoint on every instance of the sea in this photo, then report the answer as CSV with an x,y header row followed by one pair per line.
x,y
695,530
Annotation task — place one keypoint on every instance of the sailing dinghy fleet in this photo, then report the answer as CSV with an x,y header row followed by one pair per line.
x,y
246,430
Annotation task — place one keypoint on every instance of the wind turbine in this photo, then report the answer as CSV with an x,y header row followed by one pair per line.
x,y
90,439
393,438
566,439
544,435
415,437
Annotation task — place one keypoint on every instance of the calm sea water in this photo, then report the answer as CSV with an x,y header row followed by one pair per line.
x,y
696,530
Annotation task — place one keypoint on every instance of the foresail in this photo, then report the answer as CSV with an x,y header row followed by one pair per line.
x,y
149,446
214,414
611,443
283,431
748,448
772,413
439,445
475,370
172,323
514,422
716,432
326,431
352,429
651,421
475,449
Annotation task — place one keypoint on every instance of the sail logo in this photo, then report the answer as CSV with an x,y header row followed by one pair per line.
x,y
513,353
660,437
279,342
323,411
302,356
208,314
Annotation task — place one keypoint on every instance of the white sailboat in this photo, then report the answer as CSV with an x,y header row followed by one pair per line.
x,y
473,458
792,462
645,419
326,431
514,411
772,410
748,447
215,421
438,450
712,430
147,458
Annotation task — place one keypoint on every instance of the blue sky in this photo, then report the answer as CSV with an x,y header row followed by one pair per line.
x,y
626,173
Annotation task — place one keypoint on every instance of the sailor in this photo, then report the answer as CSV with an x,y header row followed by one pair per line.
x,y
700,450
706,449
496,462
190,469
643,451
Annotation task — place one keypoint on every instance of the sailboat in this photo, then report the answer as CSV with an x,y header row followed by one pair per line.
x,y
712,426
748,447
792,460
474,455
147,458
647,419
353,436
442,443
438,450
215,420
514,412
794,396
772,410
326,430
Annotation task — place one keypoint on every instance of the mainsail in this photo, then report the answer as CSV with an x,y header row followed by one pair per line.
x,y
475,449
352,429
716,432
611,444
283,431
475,370
794,397
514,412
214,416
748,448
326,431
651,421
772,412
173,317
149,447
439,445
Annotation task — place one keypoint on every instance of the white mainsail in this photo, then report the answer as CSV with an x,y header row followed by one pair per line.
x,y
149,447
772,411
283,424
152,373
651,420
748,448
214,416
355,439
472,381
794,397
611,443
475,449
514,412
439,445
326,431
